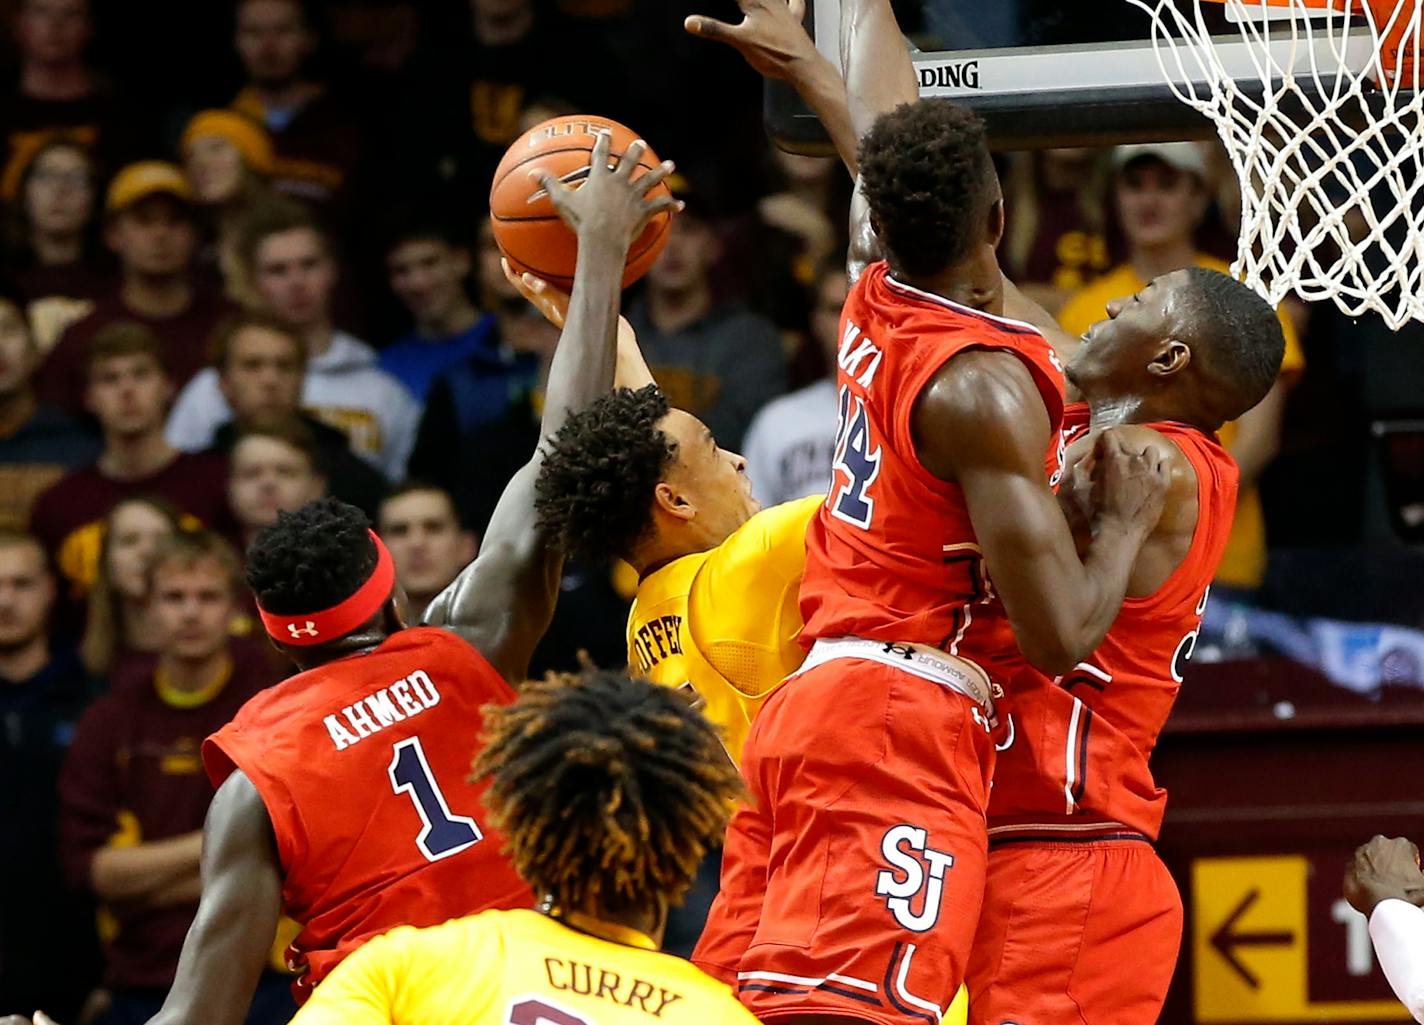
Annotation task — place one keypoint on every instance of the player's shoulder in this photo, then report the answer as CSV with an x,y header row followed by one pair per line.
x,y
981,388
771,529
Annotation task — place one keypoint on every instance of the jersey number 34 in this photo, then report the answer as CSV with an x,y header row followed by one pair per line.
x,y
857,463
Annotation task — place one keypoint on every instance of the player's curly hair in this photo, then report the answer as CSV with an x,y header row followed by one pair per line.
x,y
1241,335
311,559
610,789
928,179
594,492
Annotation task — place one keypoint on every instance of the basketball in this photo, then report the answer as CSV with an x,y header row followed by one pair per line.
x,y
527,227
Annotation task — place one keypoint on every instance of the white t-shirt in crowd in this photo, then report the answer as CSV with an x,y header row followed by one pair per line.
x,y
344,387
791,443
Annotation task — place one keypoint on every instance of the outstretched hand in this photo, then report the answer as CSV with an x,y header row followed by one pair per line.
x,y
770,35
610,205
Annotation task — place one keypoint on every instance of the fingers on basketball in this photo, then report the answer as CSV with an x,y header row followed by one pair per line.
x,y
561,152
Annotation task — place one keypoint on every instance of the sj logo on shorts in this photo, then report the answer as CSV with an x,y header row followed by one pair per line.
x,y
918,872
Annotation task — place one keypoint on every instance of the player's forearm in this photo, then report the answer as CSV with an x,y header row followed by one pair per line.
x,y
1397,931
128,873
1019,306
879,74
586,356
819,83
632,370
1258,435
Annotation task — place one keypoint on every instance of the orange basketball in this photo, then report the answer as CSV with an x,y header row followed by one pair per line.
x,y
527,228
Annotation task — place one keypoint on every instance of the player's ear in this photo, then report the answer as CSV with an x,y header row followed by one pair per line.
x,y
1172,357
996,222
673,502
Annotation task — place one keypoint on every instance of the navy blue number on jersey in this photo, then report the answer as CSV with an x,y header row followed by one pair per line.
x,y
858,457
443,834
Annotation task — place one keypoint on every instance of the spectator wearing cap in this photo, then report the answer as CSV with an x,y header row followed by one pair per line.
x,y
261,364
57,93
56,264
229,161
428,271
149,225
128,391
38,443
717,360
46,927
293,267
133,792
316,138
1159,191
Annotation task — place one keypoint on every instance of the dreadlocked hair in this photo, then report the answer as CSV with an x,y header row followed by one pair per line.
x,y
311,559
609,789
594,493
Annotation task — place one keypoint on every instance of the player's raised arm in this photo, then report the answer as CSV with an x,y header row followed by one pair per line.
x,y
502,602
981,423
228,942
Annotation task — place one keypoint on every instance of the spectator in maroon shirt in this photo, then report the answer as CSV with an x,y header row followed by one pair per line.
x,y
149,224
317,138
117,627
55,256
38,444
133,792
128,391
57,94
48,956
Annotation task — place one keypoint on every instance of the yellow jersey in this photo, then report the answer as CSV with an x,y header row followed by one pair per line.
x,y
1243,564
517,968
726,622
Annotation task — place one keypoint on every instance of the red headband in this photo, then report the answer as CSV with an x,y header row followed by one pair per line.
x,y
311,628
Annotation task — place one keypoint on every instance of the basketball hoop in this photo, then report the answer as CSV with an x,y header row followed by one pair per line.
x,y
1319,105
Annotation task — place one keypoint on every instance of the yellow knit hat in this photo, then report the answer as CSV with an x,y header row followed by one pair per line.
x,y
250,138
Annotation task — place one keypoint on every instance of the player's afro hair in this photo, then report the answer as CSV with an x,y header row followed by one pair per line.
x,y
594,493
610,789
311,559
1241,335
928,179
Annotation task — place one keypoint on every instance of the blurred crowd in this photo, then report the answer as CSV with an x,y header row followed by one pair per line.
x,y
246,264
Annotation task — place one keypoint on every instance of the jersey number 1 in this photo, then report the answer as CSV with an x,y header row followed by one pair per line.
x,y
444,834
858,457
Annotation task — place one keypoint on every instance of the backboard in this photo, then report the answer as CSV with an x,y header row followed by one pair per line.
x,y
1047,72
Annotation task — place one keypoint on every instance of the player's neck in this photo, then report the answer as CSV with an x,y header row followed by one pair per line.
x,y
976,282
641,923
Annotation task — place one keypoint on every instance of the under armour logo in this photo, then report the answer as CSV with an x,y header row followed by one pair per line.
x,y
903,650
309,630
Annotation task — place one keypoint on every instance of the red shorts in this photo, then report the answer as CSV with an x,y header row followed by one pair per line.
x,y
1075,933
851,884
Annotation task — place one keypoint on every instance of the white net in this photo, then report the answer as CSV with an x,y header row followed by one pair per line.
x,y
1318,104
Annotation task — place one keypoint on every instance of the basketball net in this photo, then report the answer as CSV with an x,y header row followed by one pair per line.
x,y
1319,106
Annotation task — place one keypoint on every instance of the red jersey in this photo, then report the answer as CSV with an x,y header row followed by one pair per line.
x,y
1078,759
891,556
364,767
